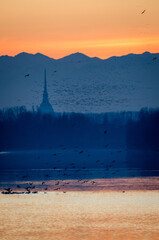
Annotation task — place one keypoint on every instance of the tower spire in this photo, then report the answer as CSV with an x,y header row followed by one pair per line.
x,y
45,84
45,94
45,106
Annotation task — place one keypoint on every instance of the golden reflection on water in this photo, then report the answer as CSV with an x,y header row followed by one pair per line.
x,y
80,215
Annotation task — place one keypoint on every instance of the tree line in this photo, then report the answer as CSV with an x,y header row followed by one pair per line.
x,y
23,129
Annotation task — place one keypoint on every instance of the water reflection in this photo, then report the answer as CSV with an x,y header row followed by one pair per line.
x,y
81,215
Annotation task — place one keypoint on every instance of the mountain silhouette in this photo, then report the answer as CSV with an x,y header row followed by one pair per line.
x,y
79,83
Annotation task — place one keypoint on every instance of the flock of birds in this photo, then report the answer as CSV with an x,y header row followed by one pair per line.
x,y
30,188
61,185
64,178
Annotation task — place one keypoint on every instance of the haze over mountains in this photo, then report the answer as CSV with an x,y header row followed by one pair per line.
x,y
78,83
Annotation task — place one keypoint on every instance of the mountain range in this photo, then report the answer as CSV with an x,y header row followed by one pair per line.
x,y
78,83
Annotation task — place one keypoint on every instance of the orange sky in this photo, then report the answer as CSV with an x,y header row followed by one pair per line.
x,y
99,28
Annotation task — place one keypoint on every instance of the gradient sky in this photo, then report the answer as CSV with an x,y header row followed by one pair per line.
x,y
101,28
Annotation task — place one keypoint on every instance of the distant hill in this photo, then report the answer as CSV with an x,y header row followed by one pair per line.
x,y
81,84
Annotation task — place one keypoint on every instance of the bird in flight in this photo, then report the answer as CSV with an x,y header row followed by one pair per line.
x,y
27,75
143,11
154,58
81,151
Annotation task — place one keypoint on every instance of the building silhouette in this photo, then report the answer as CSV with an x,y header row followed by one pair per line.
x,y
45,106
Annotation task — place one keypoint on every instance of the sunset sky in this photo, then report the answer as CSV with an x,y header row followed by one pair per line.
x,y
101,28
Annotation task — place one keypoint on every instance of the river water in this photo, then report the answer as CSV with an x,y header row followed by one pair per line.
x,y
80,215
110,197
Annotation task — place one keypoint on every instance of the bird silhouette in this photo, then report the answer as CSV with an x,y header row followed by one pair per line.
x,y
154,58
28,189
9,190
143,11
24,176
35,192
81,151
27,75
47,175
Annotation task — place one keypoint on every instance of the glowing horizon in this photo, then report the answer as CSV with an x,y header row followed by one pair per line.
x,y
57,28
